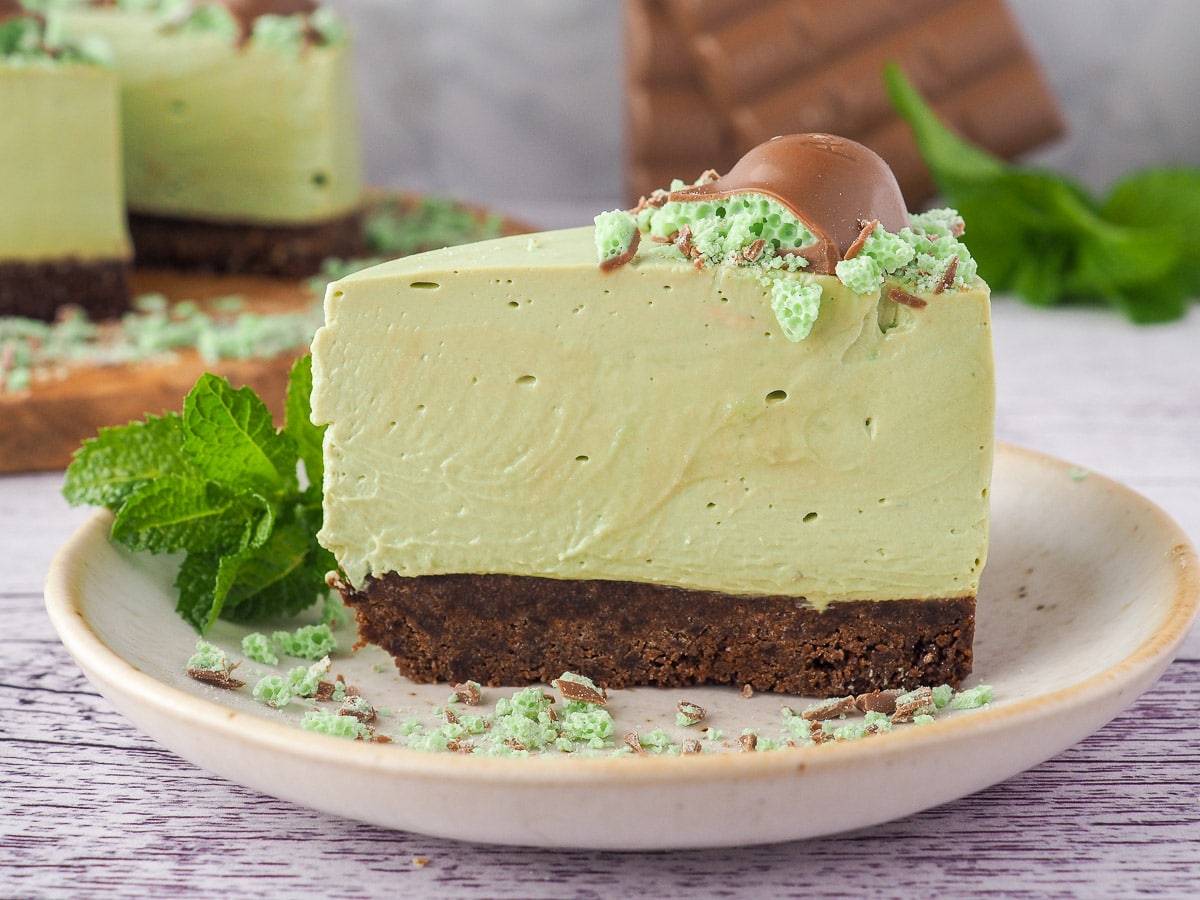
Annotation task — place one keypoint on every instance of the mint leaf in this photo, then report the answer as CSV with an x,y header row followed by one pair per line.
x,y
1041,236
231,437
1158,196
219,484
297,421
279,577
121,460
187,514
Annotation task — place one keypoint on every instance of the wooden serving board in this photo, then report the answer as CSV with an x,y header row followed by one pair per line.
x,y
41,427
44,425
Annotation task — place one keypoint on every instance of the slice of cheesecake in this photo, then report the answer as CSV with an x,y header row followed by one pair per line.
x,y
62,232
671,468
239,120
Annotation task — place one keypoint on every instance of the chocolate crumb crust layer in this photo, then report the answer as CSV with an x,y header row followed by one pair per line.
x,y
507,630
36,290
244,249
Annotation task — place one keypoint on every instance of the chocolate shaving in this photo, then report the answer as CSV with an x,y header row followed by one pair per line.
x,y
912,704
748,741
747,691
878,701
656,200
513,744
753,250
691,711
683,240
246,12
460,746
829,709
859,242
708,176
947,281
690,746
574,690
467,693
325,690
634,743
451,718
218,678
904,298
818,735
615,262
366,716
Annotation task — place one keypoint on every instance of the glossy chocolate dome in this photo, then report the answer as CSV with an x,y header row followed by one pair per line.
x,y
833,185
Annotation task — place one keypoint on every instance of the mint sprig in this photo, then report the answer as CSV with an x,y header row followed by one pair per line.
x,y
220,484
1043,237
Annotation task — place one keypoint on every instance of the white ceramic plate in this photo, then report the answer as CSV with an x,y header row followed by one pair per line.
x,y
1089,590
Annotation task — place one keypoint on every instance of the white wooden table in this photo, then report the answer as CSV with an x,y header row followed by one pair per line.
x,y
90,807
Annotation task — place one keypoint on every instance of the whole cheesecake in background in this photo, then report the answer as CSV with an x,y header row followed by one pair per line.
x,y
741,434
62,231
241,147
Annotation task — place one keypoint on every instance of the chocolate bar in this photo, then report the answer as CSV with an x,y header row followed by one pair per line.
x,y
817,65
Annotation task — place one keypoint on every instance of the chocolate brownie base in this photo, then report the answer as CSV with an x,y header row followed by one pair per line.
x,y
243,249
37,290
504,629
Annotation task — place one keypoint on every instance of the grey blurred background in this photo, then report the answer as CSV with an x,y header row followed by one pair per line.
x,y
519,105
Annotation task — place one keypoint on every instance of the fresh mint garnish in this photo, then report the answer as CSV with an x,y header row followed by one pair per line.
x,y
220,484
1043,237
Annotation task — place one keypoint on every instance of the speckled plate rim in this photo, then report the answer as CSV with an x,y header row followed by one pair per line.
x,y
617,803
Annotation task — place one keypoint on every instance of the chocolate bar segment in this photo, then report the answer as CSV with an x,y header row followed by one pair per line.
x,y
793,66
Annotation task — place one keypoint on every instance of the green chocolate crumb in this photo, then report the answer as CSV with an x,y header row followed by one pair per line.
x,y
209,658
941,695
796,306
616,237
796,727
273,690
922,719
587,724
306,681
411,726
656,741
259,648
972,698
398,229
322,721
524,721
306,642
